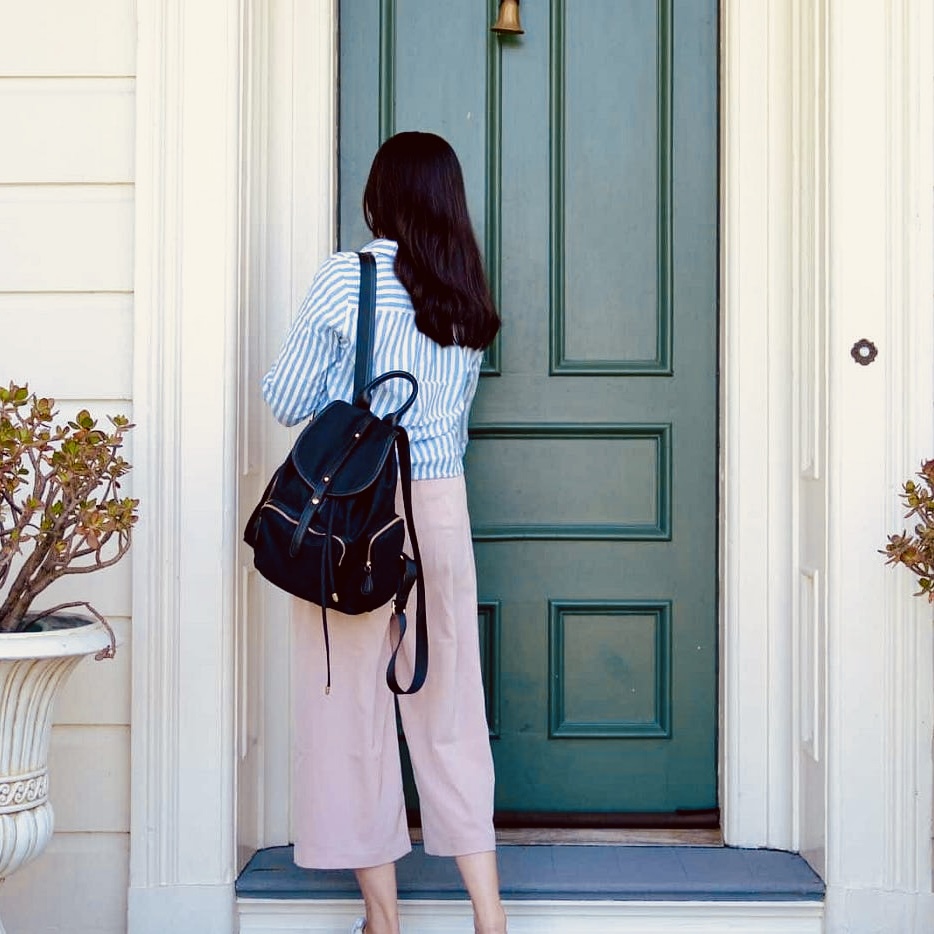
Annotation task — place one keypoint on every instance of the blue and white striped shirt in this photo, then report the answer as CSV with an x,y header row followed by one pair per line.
x,y
316,363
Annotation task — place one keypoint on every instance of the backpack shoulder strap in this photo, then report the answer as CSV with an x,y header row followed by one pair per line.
x,y
421,622
366,324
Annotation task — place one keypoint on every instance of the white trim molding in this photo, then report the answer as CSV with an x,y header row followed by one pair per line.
x,y
827,211
880,679
185,384
756,441
288,193
810,484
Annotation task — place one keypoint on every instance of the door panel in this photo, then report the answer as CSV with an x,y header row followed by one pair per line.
x,y
612,85
589,150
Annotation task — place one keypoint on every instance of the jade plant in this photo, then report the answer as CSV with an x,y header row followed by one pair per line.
x,y
61,509
915,550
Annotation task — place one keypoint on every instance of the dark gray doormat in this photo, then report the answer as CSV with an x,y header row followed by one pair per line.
x,y
630,873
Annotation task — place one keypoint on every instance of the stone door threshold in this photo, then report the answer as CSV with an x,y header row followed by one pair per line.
x,y
599,836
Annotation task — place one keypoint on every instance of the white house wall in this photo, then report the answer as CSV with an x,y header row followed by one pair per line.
x,y
67,112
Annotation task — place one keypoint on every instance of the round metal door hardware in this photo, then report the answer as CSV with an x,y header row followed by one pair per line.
x,y
864,352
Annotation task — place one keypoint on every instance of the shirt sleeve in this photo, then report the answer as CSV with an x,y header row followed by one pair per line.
x,y
296,385
470,390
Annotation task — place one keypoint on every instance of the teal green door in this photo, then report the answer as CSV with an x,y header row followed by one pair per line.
x,y
589,146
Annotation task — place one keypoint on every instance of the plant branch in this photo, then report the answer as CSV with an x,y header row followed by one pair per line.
x,y
108,652
98,565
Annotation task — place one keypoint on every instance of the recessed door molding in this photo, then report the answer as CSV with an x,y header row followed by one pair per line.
x,y
660,363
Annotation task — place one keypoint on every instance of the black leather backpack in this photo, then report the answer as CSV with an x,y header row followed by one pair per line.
x,y
326,528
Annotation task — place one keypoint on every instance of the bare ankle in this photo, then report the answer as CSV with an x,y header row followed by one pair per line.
x,y
493,923
379,923
378,886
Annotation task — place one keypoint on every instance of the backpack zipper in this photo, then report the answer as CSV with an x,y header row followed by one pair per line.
x,y
367,585
312,531
375,536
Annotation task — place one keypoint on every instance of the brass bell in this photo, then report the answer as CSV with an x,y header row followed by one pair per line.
x,y
508,20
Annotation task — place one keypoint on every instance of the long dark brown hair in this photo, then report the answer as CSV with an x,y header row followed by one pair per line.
x,y
415,196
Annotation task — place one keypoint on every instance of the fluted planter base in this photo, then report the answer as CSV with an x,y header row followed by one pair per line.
x,y
33,668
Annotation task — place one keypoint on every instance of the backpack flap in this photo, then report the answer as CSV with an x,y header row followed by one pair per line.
x,y
321,455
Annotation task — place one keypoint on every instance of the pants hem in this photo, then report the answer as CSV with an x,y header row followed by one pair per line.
x,y
486,846
348,861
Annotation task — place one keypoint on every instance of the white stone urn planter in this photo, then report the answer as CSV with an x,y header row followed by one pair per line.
x,y
33,667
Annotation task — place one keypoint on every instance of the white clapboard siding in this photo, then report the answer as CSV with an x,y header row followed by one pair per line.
x,y
108,591
67,130
77,886
98,692
64,238
65,37
89,778
94,328
67,113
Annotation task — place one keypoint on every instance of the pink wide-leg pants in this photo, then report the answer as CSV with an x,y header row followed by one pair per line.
x,y
348,806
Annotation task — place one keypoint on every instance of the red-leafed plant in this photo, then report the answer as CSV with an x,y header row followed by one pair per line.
x,y
915,550
61,511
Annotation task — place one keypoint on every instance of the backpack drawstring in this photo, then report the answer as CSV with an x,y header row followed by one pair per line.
x,y
327,591
324,622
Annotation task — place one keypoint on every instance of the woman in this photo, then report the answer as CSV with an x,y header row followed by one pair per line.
x,y
434,317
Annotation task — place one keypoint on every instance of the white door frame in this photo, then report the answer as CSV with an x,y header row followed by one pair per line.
x,y
826,128
182,827
826,674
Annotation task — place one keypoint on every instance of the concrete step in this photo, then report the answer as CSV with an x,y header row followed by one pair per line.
x,y
544,917
556,890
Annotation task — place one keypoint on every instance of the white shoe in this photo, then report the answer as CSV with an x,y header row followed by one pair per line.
x,y
358,926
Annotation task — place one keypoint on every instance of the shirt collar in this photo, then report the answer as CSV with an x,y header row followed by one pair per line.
x,y
382,246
